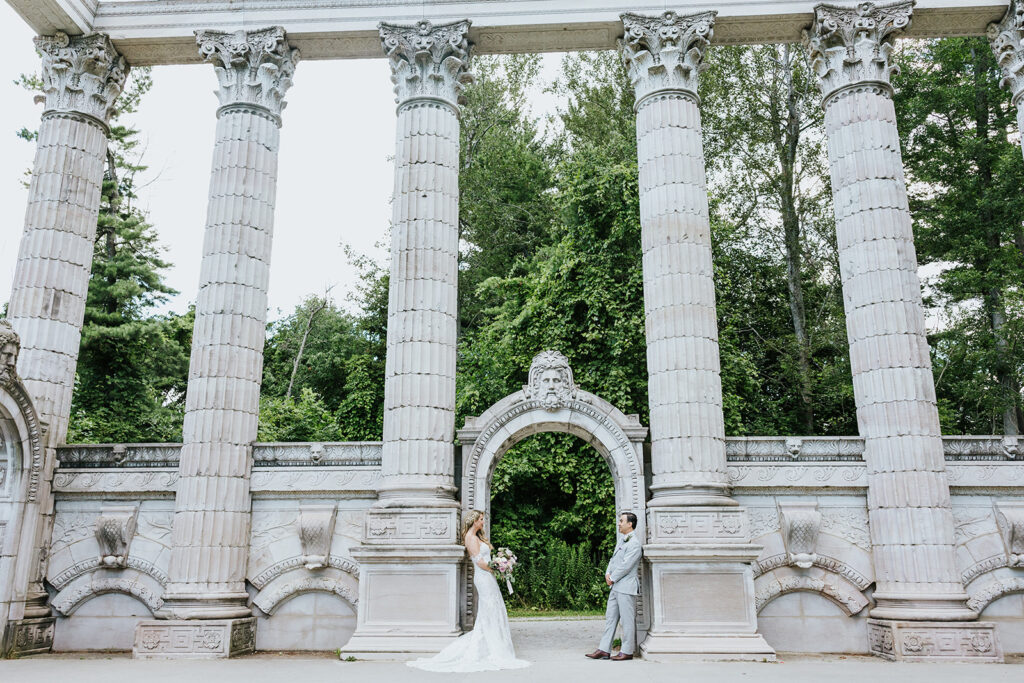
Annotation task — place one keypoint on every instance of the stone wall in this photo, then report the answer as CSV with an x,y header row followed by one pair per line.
x,y
806,499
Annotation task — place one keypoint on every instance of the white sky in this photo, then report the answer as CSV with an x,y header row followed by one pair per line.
x,y
334,177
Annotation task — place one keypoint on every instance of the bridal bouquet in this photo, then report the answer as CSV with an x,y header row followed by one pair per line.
x,y
503,564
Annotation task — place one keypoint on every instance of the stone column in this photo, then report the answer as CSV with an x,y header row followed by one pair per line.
x,y
1006,37
908,493
411,555
82,78
699,546
212,505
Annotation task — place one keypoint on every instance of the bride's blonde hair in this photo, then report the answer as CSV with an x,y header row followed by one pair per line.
x,y
468,520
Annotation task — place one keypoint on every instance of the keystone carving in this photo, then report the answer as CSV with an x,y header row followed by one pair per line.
x,y
81,74
115,528
665,53
801,526
1005,37
316,530
1010,519
427,61
10,346
853,45
550,381
253,67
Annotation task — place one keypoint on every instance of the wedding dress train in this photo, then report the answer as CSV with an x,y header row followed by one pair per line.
x,y
488,647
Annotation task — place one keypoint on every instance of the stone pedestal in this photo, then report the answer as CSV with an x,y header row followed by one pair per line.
x,y
28,637
930,641
198,639
702,586
408,600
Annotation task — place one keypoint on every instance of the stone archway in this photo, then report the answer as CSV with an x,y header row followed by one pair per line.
x,y
551,402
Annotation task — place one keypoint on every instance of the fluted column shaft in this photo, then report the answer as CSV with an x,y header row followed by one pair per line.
x,y
428,68
82,77
664,56
908,492
211,520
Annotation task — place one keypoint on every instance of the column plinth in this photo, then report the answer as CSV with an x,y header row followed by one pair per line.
x,y
909,511
412,553
698,541
212,503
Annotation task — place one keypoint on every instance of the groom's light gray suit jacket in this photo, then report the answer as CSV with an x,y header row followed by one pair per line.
x,y
625,565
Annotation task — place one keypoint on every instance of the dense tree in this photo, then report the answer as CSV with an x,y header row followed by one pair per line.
x,y
965,172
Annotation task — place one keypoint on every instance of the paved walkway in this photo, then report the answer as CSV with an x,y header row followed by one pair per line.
x,y
555,647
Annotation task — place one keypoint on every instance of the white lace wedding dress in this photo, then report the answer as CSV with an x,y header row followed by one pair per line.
x,y
488,647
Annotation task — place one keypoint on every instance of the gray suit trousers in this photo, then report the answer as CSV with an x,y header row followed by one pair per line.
x,y
621,609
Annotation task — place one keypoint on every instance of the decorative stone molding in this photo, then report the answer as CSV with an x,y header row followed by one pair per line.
x,y
550,381
82,75
1010,519
73,597
281,568
829,564
993,590
698,525
268,601
665,53
851,46
428,62
115,528
801,525
428,526
316,531
913,641
210,638
1005,36
69,574
254,68
836,589
12,385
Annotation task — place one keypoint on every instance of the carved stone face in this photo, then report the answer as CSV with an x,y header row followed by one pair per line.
x,y
551,383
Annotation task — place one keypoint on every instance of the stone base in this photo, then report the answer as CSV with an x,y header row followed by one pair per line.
x,y
408,601
194,639
28,637
706,648
934,641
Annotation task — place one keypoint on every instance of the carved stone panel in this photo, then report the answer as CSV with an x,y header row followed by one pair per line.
x,y
194,639
801,525
1010,518
698,525
316,530
911,641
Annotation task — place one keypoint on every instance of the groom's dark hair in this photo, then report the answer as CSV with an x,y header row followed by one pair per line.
x,y
631,518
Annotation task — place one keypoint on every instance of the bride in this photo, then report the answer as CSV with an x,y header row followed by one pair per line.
x,y
488,647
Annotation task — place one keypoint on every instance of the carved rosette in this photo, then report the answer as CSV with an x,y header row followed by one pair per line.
x,y
665,53
81,75
254,68
1005,38
851,46
427,61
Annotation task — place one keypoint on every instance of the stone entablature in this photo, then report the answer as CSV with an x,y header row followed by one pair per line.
x,y
155,32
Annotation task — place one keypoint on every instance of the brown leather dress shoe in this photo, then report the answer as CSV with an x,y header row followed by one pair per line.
x,y
621,657
598,654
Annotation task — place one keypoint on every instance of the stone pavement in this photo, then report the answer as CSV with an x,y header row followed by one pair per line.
x,y
555,647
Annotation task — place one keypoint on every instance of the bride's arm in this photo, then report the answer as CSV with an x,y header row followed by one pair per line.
x,y
473,547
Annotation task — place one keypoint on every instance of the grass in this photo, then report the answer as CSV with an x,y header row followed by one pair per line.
x,y
514,612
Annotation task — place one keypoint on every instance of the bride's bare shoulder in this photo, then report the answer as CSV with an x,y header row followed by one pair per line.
x,y
472,543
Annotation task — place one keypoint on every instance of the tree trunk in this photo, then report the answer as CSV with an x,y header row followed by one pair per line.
x,y
302,345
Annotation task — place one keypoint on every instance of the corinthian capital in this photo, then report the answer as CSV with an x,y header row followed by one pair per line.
x,y
254,68
81,74
427,61
1005,38
853,45
665,53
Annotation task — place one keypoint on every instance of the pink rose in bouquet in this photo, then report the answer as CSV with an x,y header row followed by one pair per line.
x,y
503,563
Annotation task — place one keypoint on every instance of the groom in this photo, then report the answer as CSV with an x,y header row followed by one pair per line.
x,y
622,576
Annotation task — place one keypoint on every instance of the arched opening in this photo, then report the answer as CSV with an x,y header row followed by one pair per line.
x,y
553,503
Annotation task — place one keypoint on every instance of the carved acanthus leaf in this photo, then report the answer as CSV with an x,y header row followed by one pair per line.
x,y
1005,37
82,74
801,526
428,61
316,531
851,45
253,67
665,53
115,529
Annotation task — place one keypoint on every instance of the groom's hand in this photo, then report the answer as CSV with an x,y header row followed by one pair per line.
x,y
608,579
